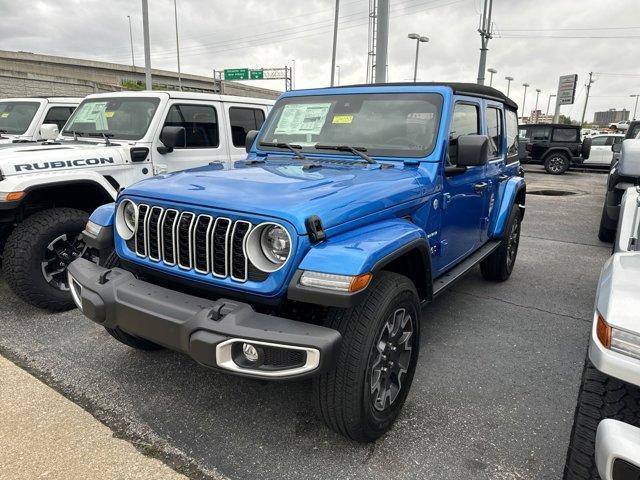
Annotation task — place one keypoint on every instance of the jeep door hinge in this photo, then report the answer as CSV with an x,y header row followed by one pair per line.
x,y
159,169
446,198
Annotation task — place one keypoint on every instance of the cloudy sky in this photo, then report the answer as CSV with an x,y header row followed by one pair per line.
x,y
535,40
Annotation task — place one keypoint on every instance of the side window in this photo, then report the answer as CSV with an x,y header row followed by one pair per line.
x,y
512,136
200,123
242,121
599,141
494,131
466,121
58,116
565,135
540,133
617,140
524,133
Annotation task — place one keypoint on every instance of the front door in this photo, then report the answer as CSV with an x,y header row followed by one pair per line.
x,y
464,193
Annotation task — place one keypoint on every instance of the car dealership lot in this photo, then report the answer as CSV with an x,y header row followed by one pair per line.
x,y
493,396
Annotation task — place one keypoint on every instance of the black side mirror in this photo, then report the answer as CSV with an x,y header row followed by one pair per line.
x,y
473,150
172,137
616,147
251,137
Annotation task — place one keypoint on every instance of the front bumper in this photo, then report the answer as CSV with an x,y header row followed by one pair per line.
x,y
206,330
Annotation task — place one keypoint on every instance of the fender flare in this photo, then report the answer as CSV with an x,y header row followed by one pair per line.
x,y
104,215
512,192
553,150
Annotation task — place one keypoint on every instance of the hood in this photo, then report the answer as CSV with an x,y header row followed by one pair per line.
x,y
288,191
21,158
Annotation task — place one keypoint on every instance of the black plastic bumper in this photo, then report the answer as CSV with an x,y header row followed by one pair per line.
x,y
192,325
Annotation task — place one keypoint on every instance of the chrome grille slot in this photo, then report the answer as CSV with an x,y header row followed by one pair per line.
x,y
239,263
141,234
184,236
153,233
201,243
220,247
168,232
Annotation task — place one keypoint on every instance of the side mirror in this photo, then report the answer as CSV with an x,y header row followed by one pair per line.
x,y
473,150
49,131
172,137
616,147
251,137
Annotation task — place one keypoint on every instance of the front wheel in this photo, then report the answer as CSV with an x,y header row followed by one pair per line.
x,y
363,393
556,164
38,252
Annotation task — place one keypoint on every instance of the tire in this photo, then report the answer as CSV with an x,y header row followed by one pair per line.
x,y
585,148
27,249
605,234
600,397
556,163
132,341
343,395
498,266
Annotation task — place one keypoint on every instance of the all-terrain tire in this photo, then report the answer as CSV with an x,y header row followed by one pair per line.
x,y
343,395
25,250
600,397
605,234
498,266
132,341
556,163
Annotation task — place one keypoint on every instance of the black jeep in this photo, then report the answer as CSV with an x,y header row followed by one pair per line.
x,y
556,146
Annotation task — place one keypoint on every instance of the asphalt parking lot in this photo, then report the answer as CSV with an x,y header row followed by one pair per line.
x,y
493,396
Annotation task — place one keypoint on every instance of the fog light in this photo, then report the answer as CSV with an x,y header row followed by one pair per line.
x,y
250,352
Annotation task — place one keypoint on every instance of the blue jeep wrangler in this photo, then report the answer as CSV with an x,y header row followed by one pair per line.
x,y
312,258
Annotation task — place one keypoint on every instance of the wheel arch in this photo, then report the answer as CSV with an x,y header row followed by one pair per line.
x,y
564,150
512,192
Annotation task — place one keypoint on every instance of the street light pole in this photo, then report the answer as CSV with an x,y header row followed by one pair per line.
x,y
338,68
419,39
537,97
549,103
133,59
524,98
636,107
175,13
335,43
147,46
293,75
382,41
508,79
491,71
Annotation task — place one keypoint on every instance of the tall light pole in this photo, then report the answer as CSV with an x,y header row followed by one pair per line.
x,y
485,35
537,97
175,14
419,39
509,80
491,71
636,107
338,73
335,43
524,98
133,58
382,41
293,74
549,102
147,46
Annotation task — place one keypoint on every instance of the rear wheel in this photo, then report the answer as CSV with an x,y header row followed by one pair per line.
x,y
499,265
605,234
363,393
556,163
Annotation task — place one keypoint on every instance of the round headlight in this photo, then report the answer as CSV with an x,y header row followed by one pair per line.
x,y
126,219
268,246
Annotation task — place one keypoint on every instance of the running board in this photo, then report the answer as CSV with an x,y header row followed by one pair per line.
x,y
445,280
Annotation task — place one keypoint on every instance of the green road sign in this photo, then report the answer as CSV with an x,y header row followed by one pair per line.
x,y
256,75
236,74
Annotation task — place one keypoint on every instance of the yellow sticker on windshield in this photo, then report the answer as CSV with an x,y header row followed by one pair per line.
x,y
5,115
342,119
109,114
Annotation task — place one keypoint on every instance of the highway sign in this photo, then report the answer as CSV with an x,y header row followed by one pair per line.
x,y
256,75
236,74
567,89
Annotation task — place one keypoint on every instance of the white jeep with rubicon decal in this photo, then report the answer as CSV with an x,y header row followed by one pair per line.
x,y
111,141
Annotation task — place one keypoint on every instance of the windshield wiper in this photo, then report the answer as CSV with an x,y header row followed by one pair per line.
x,y
293,148
347,148
106,136
75,134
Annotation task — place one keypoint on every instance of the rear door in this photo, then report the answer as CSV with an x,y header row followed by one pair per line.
x,y
495,168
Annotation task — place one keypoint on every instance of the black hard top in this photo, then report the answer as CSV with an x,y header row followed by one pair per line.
x,y
558,125
472,89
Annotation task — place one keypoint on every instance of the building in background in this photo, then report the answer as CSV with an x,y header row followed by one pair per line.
x,y
537,116
25,74
610,116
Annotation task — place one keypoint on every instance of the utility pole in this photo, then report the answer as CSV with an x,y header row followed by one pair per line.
x,y
335,43
586,100
175,13
338,68
549,102
382,41
293,74
524,99
485,35
509,80
537,97
133,58
491,71
636,107
147,46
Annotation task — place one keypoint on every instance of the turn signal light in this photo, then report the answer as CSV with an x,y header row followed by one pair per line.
x,y
13,196
360,282
603,331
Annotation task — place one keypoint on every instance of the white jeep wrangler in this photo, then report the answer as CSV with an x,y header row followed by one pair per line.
x,y
111,141
22,119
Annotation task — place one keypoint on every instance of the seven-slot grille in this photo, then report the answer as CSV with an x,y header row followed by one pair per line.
x,y
208,245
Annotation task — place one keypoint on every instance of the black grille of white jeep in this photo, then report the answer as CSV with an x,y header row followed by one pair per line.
x,y
203,243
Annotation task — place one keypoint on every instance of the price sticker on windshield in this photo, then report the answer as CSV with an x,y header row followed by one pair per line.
x,y
5,115
342,119
109,114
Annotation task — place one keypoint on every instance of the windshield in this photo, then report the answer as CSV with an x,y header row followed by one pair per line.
x,y
15,117
124,118
398,124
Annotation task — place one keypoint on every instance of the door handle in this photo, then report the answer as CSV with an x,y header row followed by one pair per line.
x,y
502,178
479,187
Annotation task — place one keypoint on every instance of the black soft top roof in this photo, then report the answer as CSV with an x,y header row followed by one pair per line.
x,y
472,89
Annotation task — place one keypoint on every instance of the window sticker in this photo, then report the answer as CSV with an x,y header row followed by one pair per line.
x,y
302,119
5,115
109,114
93,113
342,119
